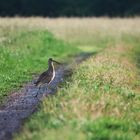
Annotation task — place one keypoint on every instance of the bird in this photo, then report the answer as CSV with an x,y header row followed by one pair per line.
x,y
47,76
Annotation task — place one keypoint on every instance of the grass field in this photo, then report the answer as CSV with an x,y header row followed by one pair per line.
x,y
26,52
101,101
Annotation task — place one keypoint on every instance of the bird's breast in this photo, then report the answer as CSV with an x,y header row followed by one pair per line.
x,y
53,75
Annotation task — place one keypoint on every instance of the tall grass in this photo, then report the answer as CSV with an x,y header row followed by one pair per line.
x,y
100,102
101,99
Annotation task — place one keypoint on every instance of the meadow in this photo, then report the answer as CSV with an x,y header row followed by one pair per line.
x,y
24,53
101,101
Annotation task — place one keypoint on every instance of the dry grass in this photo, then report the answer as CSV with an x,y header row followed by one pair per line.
x,y
99,103
102,99
73,29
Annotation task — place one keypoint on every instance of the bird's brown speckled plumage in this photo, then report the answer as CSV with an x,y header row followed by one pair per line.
x,y
47,76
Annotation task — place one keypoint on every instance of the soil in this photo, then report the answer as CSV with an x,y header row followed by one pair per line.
x,y
20,105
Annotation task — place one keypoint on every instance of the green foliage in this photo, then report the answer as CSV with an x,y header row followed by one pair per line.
x,y
56,8
28,53
135,42
109,129
100,102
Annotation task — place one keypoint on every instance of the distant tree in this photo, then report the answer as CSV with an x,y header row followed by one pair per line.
x,y
56,8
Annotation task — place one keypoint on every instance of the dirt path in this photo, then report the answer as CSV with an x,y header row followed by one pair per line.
x,y
23,103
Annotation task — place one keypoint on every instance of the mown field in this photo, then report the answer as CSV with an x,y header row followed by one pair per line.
x,y
101,101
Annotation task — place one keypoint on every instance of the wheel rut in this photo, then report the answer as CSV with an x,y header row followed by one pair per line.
x,y
20,105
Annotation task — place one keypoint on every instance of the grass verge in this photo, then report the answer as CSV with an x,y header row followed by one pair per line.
x,y
27,53
100,102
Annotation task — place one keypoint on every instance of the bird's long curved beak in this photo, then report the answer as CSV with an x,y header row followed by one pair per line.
x,y
56,62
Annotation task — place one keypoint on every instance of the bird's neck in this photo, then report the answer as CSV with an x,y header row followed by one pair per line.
x,y
51,66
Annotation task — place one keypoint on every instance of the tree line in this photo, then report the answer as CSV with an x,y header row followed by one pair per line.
x,y
55,8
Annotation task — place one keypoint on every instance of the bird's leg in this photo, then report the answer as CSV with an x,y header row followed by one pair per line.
x,y
48,87
38,91
45,87
46,90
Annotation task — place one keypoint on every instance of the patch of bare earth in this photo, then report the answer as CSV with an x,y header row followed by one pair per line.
x,y
23,103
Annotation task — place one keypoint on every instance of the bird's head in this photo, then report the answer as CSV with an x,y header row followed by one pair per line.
x,y
51,60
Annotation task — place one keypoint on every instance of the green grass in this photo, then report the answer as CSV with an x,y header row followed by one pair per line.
x,y
134,41
100,102
25,54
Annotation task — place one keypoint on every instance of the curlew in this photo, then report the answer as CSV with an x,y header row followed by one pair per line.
x,y
47,76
